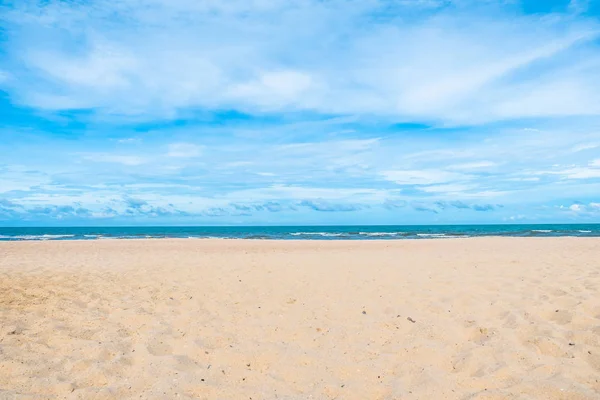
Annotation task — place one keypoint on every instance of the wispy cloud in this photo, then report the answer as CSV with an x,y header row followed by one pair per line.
x,y
591,170
476,165
184,150
422,177
130,160
585,146
139,58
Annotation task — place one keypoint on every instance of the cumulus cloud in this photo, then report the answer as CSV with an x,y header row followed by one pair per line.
x,y
579,208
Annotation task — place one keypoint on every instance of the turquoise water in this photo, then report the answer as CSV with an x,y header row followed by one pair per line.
x,y
301,232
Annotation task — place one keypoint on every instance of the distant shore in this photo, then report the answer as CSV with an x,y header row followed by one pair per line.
x,y
485,317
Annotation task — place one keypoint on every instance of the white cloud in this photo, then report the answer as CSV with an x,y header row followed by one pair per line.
x,y
580,173
273,90
591,208
584,146
289,192
238,164
115,158
524,179
318,160
328,147
578,6
451,188
489,194
24,182
574,171
425,60
129,140
184,150
473,165
422,177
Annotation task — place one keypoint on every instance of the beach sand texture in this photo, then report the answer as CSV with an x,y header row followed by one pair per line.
x,y
485,318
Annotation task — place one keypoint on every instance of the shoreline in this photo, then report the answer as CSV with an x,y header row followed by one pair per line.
x,y
312,240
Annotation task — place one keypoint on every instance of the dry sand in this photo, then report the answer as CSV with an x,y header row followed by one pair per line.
x,y
486,318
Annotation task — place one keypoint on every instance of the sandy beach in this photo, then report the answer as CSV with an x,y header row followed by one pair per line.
x,y
485,318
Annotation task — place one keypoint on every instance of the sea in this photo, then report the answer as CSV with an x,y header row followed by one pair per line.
x,y
392,232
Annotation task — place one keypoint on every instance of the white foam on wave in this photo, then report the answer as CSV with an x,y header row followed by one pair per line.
x,y
211,237
542,230
35,237
380,233
585,231
316,234
57,236
439,235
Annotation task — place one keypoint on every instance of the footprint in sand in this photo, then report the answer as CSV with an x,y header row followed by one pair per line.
x,y
184,363
549,347
558,292
510,320
159,348
561,317
480,335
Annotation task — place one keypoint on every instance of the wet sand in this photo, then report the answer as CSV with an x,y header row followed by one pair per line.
x,y
482,318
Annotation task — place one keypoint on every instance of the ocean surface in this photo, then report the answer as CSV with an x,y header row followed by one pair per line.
x,y
301,232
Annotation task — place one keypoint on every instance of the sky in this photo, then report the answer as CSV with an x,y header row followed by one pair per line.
x,y
299,112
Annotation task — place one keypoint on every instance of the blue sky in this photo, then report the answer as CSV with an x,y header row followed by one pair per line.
x,y
299,112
